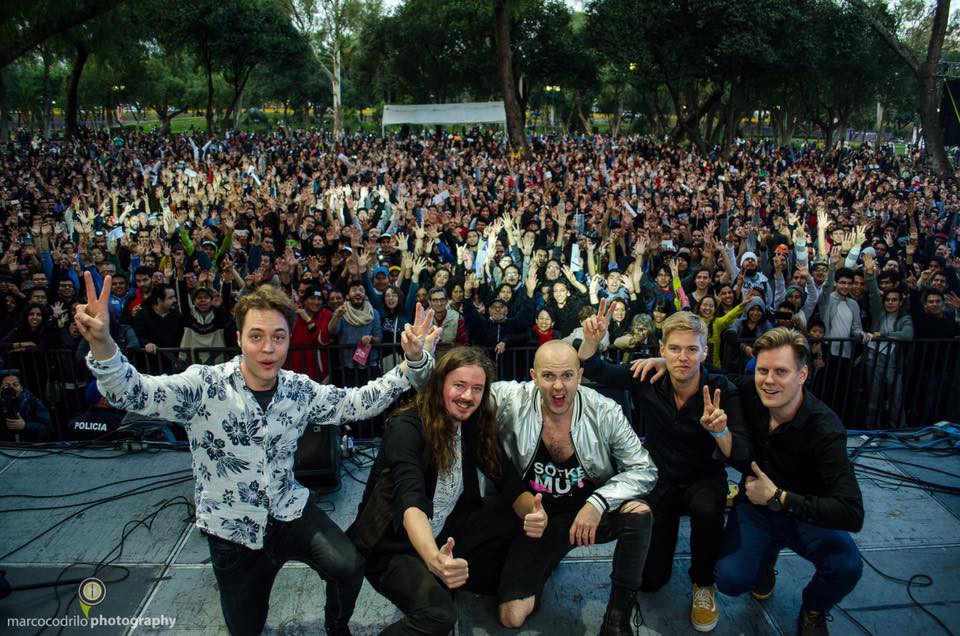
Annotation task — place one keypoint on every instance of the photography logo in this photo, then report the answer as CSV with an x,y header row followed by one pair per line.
x,y
92,592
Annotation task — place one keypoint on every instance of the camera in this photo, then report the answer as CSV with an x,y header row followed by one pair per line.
x,y
9,403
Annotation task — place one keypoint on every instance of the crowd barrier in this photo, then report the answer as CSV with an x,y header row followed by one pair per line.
x,y
887,384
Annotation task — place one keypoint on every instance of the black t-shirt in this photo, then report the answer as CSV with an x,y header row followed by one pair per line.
x,y
263,397
564,485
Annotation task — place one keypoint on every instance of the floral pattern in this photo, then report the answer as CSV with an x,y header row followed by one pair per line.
x,y
243,457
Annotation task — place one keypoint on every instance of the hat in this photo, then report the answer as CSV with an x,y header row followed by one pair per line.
x,y
385,235
394,268
202,290
782,248
942,236
747,255
612,267
380,269
210,243
500,301
313,290
818,262
347,249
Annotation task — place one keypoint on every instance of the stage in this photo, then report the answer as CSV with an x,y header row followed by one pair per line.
x,y
169,587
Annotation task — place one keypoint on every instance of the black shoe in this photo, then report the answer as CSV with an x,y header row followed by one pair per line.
x,y
620,613
812,623
764,589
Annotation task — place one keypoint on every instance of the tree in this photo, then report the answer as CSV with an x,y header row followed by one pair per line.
x,y
518,140
924,69
330,26
28,23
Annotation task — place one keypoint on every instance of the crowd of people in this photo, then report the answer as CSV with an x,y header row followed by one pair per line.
x,y
373,265
856,245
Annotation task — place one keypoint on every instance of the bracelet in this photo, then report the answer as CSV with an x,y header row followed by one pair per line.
x,y
725,431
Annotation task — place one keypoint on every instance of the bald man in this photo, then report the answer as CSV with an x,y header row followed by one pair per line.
x,y
582,474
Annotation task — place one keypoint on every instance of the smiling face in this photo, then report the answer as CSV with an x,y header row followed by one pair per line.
x,y
557,372
544,321
778,379
463,392
263,343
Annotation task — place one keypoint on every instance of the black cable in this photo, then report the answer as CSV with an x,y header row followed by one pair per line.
x,y
918,580
850,618
83,510
168,481
125,532
83,492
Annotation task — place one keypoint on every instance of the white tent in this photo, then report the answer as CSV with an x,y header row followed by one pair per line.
x,y
428,114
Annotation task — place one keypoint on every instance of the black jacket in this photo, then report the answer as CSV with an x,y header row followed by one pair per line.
x,y
682,449
807,457
403,477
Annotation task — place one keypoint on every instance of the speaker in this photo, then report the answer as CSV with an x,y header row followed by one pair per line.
x,y
948,113
318,459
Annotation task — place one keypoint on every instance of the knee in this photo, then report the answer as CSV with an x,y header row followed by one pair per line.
x,y
636,508
731,579
347,568
843,563
637,515
707,509
438,618
514,613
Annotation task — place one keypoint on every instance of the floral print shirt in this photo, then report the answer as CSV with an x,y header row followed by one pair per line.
x,y
242,457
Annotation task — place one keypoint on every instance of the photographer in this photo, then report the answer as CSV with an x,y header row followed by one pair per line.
x,y
25,417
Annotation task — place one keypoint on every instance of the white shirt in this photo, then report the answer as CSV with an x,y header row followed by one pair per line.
x,y
243,456
449,488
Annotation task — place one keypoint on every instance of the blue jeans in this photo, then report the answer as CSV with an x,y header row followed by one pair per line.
x,y
755,535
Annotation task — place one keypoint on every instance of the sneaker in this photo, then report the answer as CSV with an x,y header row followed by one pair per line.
x,y
704,614
812,623
764,589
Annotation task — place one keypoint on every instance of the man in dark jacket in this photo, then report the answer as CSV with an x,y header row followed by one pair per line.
x,y
423,526
800,492
26,419
689,437
159,325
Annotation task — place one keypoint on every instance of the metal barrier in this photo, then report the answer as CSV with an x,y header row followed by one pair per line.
x,y
885,384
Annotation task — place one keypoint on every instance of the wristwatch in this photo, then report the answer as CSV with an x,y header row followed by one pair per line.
x,y
774,503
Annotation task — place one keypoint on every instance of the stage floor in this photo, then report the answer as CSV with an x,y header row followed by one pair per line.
x,y
166,573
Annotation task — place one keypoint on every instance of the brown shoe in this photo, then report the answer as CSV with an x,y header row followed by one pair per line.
x,y
764,589
704,614
812,623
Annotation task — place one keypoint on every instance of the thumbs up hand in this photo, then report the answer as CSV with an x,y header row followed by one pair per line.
x,y
760,489
535,521
452,571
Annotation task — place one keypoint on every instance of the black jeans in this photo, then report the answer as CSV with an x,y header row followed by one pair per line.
x,y
703,501
481,537
531,561
245,576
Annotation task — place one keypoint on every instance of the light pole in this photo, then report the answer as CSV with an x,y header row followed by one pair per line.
x,y
553,90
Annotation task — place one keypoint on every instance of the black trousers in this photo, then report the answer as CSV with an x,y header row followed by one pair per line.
x,y
481,537
245,576
703,501
531,561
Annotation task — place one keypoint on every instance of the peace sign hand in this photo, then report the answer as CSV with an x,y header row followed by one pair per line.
x,y
93,317
596,326
713,419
